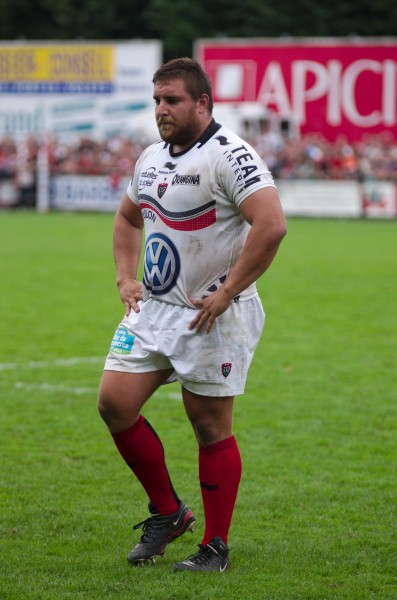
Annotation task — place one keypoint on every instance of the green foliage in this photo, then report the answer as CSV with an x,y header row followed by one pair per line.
x,y
179,24
317,428
70,20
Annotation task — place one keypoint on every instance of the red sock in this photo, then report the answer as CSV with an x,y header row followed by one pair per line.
x,y
143,452
220,474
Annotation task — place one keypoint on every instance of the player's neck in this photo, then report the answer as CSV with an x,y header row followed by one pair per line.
x,y
177,148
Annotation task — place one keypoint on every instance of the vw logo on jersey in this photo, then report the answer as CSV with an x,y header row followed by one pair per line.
x,y
161,264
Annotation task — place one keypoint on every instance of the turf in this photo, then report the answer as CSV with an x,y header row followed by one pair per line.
x,y
317,428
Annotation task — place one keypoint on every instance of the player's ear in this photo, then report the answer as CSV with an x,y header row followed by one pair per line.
x,y
203,103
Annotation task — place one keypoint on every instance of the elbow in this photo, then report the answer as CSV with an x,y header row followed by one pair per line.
x,y
275,237
272,234
279,231
282,229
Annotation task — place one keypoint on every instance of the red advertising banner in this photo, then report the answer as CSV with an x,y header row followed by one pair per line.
x,y
336,86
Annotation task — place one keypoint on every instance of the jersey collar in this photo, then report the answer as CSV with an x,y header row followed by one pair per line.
x,y
212,128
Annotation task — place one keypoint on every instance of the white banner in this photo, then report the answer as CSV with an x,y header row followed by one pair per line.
x,y
349,199
73,89
87,193
320,199
379,199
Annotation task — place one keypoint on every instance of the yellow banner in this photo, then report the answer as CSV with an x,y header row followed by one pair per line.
x,y
56,63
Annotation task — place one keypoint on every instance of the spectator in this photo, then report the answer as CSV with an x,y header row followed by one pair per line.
x,y
311,156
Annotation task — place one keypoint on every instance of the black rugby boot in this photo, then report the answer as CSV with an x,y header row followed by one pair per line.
x,y
212,557
158,532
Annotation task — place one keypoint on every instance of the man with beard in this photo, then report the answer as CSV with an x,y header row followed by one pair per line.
x,y
213,222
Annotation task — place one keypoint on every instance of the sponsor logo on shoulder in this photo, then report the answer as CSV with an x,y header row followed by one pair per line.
x,y
186,179
243,164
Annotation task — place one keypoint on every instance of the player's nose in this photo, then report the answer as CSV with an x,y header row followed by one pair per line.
x,y
162,107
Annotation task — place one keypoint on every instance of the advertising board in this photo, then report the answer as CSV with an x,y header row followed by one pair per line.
x,y
75,88
332,199
333,85
86,193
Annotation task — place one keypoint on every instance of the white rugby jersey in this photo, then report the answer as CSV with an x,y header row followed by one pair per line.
x,y
194,232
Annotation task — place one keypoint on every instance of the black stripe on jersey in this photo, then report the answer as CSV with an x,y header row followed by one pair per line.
x,y
185,214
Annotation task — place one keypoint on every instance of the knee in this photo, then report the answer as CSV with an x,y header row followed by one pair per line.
x,y
113,415
105,407
116,410
108,405
208,432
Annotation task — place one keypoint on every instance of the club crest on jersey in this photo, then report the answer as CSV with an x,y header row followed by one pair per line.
x,y
226,368
161,189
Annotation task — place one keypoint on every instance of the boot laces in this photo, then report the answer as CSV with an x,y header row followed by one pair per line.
x,y
149,526
203,556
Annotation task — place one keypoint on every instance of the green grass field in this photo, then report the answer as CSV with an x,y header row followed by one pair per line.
x,y
316,516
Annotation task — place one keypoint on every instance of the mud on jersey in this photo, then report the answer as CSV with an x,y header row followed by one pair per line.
x,y
190,207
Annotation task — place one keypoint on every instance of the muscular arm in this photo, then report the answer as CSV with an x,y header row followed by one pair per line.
x,y
262,210
127,244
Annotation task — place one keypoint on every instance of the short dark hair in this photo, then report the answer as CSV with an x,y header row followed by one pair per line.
x,y
196,80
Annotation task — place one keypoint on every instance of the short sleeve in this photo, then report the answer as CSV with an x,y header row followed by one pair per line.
x,y
132,188
243,172
132,193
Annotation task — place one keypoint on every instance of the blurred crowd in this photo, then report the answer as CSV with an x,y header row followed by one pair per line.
x,y
114,157
309,156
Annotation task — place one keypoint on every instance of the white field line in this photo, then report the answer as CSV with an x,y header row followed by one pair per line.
x,y
162,391
48,387
65,362
77,391
48,364
175,396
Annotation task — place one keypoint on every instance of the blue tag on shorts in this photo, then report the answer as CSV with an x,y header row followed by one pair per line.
x,y
122,341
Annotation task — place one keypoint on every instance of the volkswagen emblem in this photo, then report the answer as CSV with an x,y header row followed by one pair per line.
x,y
161,264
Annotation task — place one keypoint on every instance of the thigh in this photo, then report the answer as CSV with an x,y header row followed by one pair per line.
x,y
216,364
122,395
211,417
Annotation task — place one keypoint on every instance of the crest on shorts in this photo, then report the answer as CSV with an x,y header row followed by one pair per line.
x,y
226,368
161,189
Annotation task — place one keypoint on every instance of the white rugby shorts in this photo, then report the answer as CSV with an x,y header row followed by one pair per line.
x,y
209,364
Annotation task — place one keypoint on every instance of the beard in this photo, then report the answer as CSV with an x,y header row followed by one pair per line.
x,y
179,135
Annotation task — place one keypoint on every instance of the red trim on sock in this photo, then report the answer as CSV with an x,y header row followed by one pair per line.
x,y
121,436
222,445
